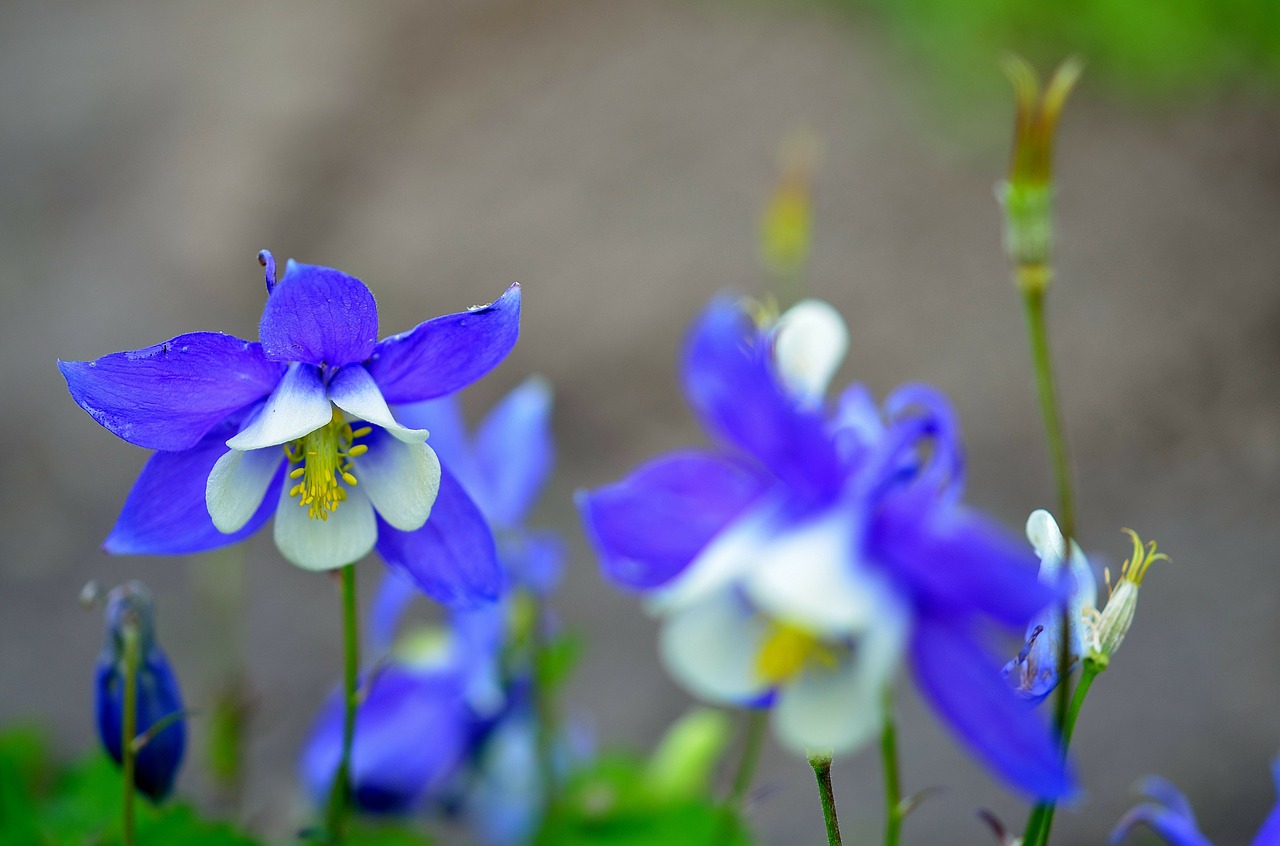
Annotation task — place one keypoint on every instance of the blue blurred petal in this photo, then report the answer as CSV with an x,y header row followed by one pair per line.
x,y
447,353
453,557
731,385
956,560
515,452
535,559
166,513
1173,827
168,396
962,683
395,592
651,525
411,731
1269,834
442,417
319,315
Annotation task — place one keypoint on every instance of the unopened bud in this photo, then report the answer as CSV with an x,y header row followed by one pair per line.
x,y
1115,620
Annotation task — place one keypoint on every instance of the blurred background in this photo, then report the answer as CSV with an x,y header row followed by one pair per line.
x,y
615,158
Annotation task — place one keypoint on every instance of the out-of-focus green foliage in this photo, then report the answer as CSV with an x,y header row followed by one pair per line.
x,y
1151,48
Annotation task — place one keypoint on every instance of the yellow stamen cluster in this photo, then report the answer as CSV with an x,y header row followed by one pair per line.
x,y
325,455
788,649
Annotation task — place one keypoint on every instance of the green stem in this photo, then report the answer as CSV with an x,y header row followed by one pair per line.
x,y
340,794
822,770
1041,822
544,705
892,782
752,744
129,724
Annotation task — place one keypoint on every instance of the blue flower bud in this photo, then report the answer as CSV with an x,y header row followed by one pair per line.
x,y
130,613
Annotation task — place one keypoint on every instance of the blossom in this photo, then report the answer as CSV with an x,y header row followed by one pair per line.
x,y
159,702
1036,669
298,425
808,554
1170,816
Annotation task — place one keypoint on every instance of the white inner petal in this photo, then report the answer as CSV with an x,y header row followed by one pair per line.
x,y
727,558
712,647
354,391
237,484
401,479
1046,540
839,709
346,537
297,406
810,343
809,575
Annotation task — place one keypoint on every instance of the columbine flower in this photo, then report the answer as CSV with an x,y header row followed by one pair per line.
x,y
301,421
809,555
159,700
1170,816
1036,670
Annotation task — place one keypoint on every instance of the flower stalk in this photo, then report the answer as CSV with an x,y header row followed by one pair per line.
x,y
822,770
340,794
892,780
129,722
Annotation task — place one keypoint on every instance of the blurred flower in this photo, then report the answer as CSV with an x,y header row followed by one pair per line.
x,y
804,559
1035,671
1170,816
130,612
230,419
503,468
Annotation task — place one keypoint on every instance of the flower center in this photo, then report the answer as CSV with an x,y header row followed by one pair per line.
x,y
325,455
788,649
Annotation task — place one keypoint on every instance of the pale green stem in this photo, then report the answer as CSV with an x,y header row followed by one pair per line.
x,y
892,781
822,770
340,794
1041,822
752,744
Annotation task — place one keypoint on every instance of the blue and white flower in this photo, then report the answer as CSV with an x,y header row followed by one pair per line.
x,y
159,701
1037,668
804,558
1169,815
299,425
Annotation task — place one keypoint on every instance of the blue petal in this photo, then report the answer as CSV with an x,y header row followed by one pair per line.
x,y
1269,834
651,525
157,763
401,710
169,395
729,380
1164,793
395,592
319,315
166,514
956,560
965,687
447,353
452,558
1174,828
534,560
515,452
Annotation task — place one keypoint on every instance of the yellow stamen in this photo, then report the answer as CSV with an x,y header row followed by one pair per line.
x,y
325,455
788,649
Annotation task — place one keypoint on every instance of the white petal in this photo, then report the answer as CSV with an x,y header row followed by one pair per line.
x,y
840,709
711,648
346,537
808,576
810,343
297,406
1046,540
354,391
402,480
729,557
237,484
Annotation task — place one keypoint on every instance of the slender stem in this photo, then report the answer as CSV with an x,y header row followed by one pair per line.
x,y
340,794
129,724
892,781
822,769
752,743
1042,817
544,704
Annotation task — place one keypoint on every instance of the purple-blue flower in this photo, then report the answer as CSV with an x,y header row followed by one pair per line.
x,y
157,762
301,420
1169,815
805,556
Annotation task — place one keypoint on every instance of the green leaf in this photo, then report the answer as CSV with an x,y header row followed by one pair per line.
x,y
556,661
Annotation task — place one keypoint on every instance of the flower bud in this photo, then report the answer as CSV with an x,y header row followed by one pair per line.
x,y
1113,623
161,733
